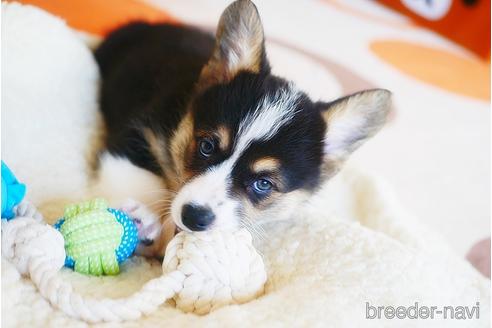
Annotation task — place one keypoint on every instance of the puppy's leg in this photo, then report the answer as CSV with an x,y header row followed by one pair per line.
x,y
140,193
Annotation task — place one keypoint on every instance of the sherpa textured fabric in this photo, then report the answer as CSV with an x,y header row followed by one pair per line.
x,y
437,141
352,245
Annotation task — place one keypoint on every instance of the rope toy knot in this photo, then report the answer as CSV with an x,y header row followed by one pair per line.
x,y
201,272
25,239
219,268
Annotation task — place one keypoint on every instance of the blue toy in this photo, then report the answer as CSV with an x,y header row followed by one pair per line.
x,y
12,192
97,238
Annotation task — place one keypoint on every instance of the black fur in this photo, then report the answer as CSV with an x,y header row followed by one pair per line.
x,y
148,73
297,145
175,102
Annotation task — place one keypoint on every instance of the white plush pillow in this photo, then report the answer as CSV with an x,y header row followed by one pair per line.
x,y
322,270
49,103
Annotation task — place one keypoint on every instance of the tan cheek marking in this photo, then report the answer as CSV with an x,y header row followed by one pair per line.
x,y
265,164
157,146
180,148
187,174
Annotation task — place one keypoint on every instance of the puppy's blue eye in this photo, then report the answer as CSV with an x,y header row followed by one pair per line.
x,y
262,186
206,147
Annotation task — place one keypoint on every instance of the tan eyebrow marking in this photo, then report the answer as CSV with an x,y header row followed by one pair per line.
x,y
222,134
224,137
266,164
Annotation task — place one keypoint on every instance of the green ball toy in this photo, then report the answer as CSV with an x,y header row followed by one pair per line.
x,y
97,238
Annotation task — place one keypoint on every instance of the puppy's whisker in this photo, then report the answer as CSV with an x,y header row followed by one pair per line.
x,y
253,229
160,207
164,213
256,229
163,208
163,190
161,202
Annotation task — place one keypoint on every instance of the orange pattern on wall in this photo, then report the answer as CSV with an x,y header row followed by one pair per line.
x,y
99,17
462,75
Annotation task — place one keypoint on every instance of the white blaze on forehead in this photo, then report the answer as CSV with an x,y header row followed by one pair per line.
x,y
270,115
211,188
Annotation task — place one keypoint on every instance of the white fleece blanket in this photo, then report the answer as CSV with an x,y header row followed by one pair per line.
x,y
352,246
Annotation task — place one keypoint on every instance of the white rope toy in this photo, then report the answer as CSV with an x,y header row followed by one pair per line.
x,y
201,271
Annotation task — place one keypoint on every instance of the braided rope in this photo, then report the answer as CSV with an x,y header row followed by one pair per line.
x,y
202,271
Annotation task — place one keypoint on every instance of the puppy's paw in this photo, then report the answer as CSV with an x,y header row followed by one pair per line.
x,y
148,224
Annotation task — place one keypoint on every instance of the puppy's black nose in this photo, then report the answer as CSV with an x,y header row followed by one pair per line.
x,y
196,217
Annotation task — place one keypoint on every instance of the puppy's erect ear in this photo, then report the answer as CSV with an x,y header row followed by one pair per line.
x,y
239,44
352,120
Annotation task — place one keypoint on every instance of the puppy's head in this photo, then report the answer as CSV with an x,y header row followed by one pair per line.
x,y
252,146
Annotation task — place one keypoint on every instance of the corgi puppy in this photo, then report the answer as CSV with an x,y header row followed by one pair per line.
x,y
200,135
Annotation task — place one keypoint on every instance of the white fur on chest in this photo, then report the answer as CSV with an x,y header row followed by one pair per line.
x,y
118,180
